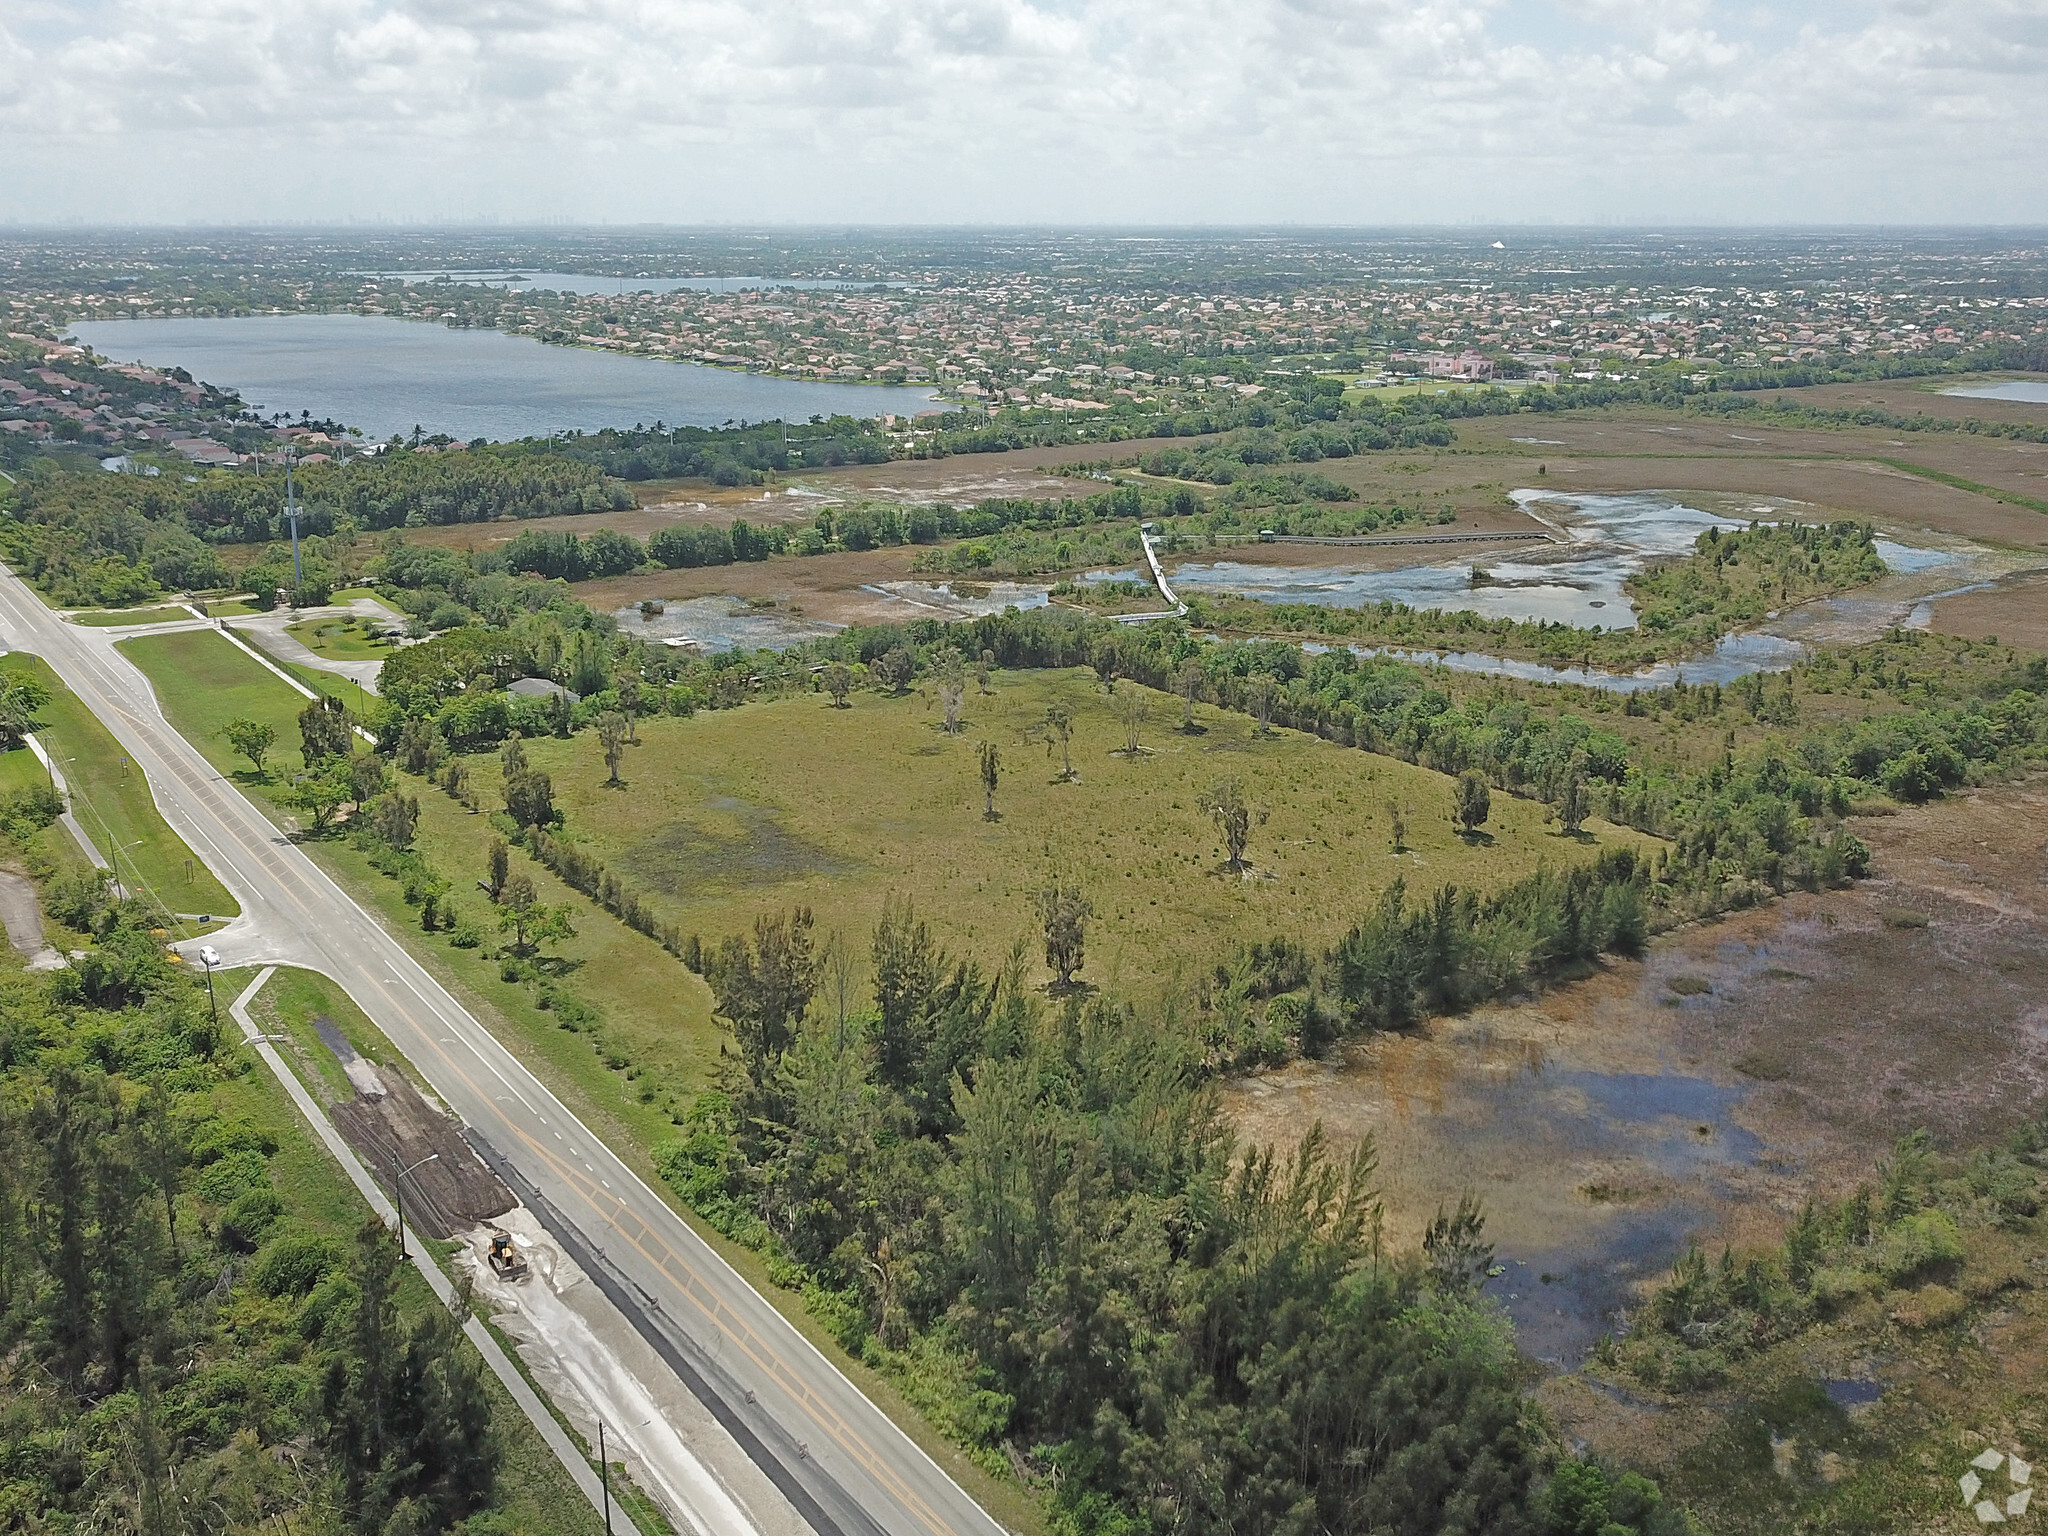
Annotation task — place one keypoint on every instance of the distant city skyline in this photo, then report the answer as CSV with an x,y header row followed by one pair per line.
x,y
1140,112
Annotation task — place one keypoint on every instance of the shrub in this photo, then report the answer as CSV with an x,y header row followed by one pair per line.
x,y
1914,1245
293,1264
252,1213
224,1180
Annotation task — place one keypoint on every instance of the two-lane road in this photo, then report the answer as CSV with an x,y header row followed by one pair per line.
x,y
865,1474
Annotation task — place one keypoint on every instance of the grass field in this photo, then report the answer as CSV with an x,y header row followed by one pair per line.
x,y
740,813
288,1006
339,640
535,1492
212,683
360,594
1354,393
112,800
110,618
736,813
20,770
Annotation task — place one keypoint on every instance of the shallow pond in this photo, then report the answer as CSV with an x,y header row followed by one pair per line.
x,y
722,624
1580,580
1563,1298
1732,657
2032,391
961,599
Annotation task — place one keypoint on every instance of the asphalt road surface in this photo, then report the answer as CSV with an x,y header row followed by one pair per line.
x,y
861,1473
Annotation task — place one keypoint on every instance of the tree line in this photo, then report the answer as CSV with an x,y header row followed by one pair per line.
x,y
1033,1216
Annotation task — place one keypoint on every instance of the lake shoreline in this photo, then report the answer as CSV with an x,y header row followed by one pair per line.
x,y
384,374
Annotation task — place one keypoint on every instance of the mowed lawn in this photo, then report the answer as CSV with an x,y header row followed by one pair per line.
x,y
339,640
112,800
112,618
209,682
738,813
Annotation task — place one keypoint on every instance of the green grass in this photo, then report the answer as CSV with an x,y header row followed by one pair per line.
x,y
109,618
217,609
288,1007
347,689
19,770
338,640
357,594
534,1490
202,682
1353,394
113,803
740,812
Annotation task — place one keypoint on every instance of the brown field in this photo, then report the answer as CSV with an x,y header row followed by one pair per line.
x,y
825,587
2015,611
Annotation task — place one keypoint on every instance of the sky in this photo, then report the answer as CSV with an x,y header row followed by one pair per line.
x,y
1127,112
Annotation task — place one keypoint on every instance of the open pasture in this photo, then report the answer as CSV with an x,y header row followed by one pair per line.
x,y
794,802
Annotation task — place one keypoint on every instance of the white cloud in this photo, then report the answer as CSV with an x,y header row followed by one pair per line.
x,y
1111,110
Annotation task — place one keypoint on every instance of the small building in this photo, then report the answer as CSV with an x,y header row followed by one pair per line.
x,y
541,688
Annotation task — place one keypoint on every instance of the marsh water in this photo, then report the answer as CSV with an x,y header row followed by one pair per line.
x,y
387,376
2032,391
1601,540
1580,580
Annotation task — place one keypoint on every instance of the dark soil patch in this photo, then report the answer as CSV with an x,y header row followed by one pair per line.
x,y
452,1192
683,859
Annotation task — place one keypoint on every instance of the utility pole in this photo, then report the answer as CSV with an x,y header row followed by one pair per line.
x,y
604,1473
291,511
398,1196
210,957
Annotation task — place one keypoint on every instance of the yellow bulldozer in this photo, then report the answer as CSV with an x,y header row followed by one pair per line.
x,y
505,1260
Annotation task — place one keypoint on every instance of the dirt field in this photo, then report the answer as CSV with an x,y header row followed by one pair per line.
x,y
450,1190
1711,1087
831,588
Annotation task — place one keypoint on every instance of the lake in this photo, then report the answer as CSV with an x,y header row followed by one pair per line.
x,y
386,376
